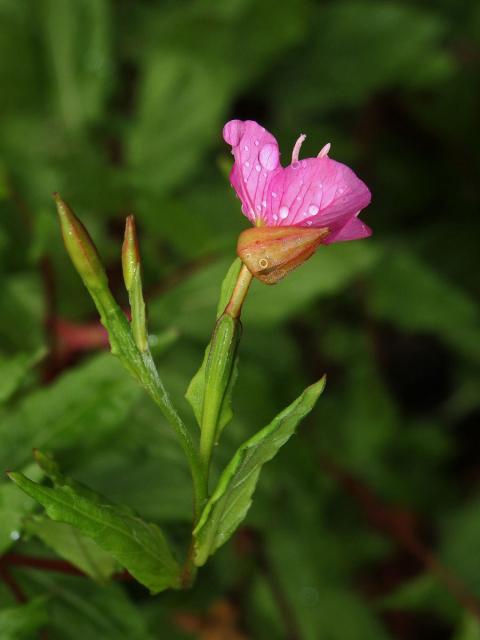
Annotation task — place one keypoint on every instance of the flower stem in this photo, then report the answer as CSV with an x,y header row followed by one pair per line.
x,y
222,353
240,291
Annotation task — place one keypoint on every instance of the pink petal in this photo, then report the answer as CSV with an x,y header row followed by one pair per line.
x,y
355,229
317,192
257,160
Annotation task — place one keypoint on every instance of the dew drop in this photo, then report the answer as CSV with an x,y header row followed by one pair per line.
x,y
14,535
275,217
313,209
298,198
246,147
246,164
264,203
256,143
284,211
269,156
274,195
258,167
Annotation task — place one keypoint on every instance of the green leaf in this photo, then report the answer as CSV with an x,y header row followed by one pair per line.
x,y
196,390
78,45
232,497
14,369
81,609
138,546
14,506
81,409
71,545
469,629
18,623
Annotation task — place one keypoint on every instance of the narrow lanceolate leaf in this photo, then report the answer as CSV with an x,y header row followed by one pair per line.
x,y
232,497
138,546
196,390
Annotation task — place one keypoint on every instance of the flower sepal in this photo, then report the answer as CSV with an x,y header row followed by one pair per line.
x,y
270,253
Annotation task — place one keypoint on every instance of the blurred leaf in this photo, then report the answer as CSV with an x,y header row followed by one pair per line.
x,y
174,88
138,546
459,540
362,51
18,623
232,497
79,410
13,370
78,44
81,609
14,506
429,303
469,629
71,545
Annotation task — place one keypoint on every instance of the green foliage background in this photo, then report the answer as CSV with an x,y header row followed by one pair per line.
x,y
119,106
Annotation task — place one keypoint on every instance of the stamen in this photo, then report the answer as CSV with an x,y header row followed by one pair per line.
x,y
324,150
296,148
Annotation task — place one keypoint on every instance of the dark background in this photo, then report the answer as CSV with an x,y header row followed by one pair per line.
x,y
367,525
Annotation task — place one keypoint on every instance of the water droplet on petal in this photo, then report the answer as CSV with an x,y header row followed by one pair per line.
x,y
298,198
269,156
275,217
14,535
246,147
264,203
246,164
284,211
258,167
274,195
256,143
313,209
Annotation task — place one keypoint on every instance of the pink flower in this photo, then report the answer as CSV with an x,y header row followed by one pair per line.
x,y
315,192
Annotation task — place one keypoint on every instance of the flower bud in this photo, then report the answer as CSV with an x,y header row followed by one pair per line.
x,y
132,275
270,253
130,253
80,247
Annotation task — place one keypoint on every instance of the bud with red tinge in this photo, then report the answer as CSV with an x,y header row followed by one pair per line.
x,y
132,276
80,247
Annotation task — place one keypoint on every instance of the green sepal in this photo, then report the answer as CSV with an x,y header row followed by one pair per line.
x,y
232,497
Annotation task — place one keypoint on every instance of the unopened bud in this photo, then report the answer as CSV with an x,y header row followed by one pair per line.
x,y
270,253
130,253
132,275
80,247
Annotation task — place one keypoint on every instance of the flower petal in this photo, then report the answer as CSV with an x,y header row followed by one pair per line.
x,y
355,229
257,160
317,192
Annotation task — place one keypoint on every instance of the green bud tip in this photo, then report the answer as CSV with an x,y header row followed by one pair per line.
x,y
130,253
80,247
